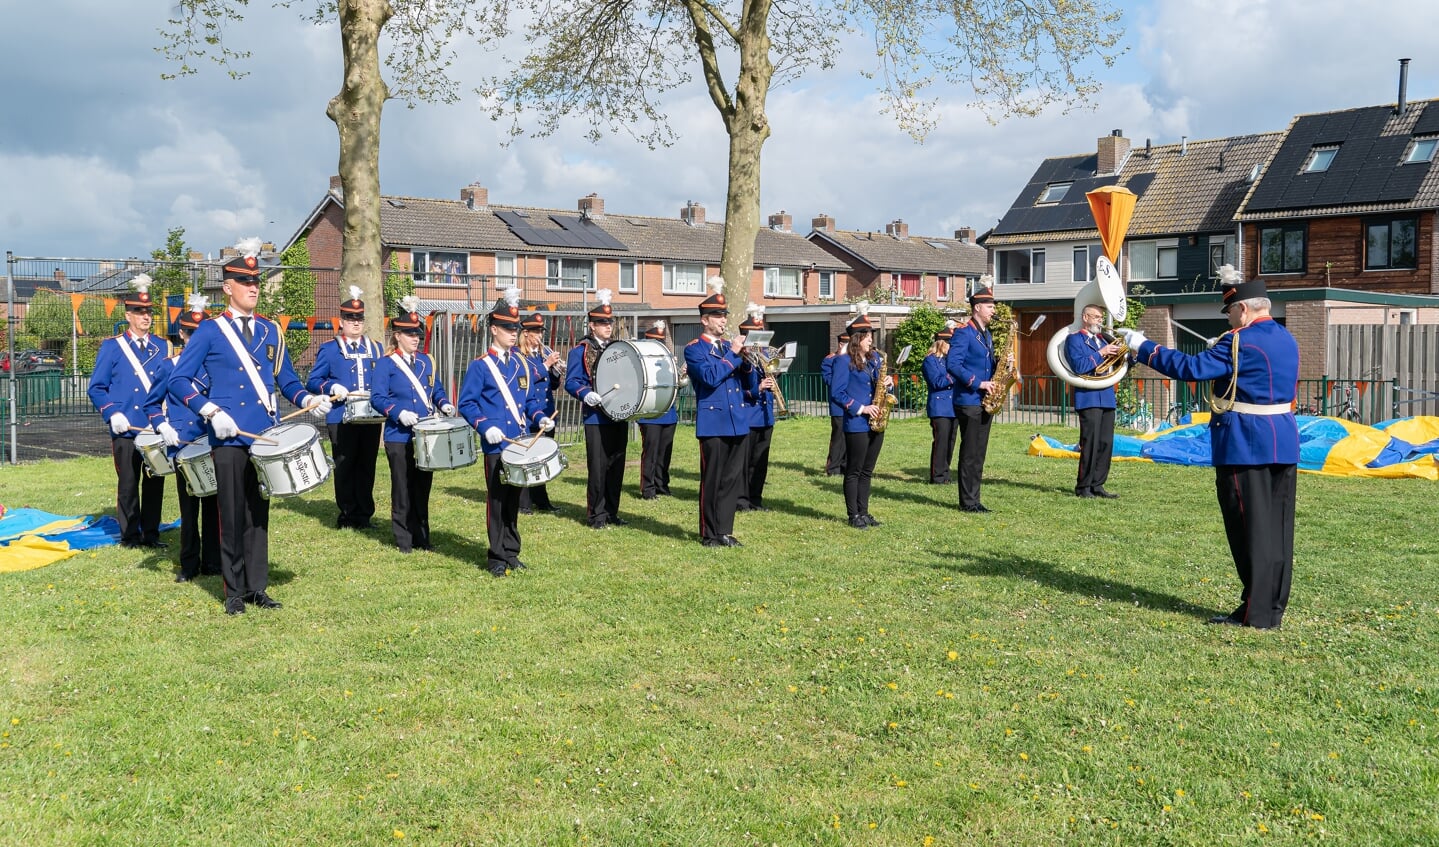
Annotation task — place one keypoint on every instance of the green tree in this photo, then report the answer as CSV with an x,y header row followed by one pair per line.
x,y
171,274
917,331
296,294
48,316
610,63
397,284
1126,397
94,321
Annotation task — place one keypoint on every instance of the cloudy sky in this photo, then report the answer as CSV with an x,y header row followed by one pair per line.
x,y
99,156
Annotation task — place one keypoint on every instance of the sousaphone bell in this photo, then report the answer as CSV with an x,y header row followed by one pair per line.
x,y
1106,291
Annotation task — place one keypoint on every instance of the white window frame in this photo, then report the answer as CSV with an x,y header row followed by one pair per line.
x,y
1054,192
1429,145
943,288
1087,265
424,277
1140,267
1038,270
772,279
634,282
690,268
555,281
1227,242
505,276
826,285
1320,158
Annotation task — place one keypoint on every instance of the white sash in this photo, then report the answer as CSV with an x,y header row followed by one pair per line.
x,y
505,390
247,362
134,362
414,380
366,352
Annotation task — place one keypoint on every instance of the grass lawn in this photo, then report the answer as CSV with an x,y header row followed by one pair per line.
x,y
1037,676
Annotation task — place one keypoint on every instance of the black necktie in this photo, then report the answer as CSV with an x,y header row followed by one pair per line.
x,y
245,331
140,347
354,347
410,360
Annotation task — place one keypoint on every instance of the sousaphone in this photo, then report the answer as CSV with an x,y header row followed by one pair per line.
x,y
1106,291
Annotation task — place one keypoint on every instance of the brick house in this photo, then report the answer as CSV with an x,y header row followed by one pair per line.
x,y
899,269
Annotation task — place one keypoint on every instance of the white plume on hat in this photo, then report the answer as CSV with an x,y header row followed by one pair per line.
x,y
142,283
355,292
659,325
410,303
603,296
1229,276
754,310
862,307
198,302
950,324
249,247
986,281
512,295
716,284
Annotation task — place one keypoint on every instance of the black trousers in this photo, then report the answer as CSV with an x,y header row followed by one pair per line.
x,y
834,462
861,452
941,449
502,516
199,531
605,461
244,523
1257,502
139,497
721,475
1096,448
535,497
973,445
409,497
756,467
657,442
355,449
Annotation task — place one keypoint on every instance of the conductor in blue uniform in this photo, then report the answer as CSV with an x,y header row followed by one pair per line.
x,y
1086,351
722,423
1255,372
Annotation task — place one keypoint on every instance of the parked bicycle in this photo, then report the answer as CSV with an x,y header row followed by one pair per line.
x,y
1141,417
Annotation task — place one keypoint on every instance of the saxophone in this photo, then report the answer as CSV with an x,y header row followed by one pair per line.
x,y
1005,372
883,400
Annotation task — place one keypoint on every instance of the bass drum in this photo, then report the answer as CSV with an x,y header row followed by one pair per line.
x,y
636,378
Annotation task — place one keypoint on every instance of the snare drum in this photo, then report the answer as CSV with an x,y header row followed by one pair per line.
x,y
198,467
636,378
292,465
534,465
358,410
443,444
152,450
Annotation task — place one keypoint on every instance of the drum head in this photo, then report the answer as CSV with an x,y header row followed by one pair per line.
x,y
622,375
524,454
146,439
191,452
287,437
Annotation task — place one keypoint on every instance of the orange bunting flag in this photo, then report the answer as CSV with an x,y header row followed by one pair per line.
x,y
474,323
310,323
1112,206
110,304
75,301
429,322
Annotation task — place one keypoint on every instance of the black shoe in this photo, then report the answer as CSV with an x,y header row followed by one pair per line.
x,y
342,523
264,601
364,524
759,508
1100,492
650,496
869,519
185,577
427,547
1266,628
517,565
981,509
235,605
858,522
527,511
156,544
600,524
498,570
551,509
204,571
713,542
731,541
131,545
1084,492
619,521
1225,620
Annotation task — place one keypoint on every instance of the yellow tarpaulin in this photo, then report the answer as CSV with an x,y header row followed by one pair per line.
x,y
31,552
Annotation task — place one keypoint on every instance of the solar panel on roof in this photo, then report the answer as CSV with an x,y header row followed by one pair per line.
x,y
1429,121
572,232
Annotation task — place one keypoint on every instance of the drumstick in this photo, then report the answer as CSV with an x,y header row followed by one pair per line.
x,y
134,428
295,414
255,437
611,391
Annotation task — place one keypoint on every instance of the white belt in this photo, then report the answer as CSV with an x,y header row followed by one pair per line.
x,y
1253,408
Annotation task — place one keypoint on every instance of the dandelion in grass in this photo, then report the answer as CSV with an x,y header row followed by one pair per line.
x,y
1024,757
399,834
1262,828
892,686
929,841
952,655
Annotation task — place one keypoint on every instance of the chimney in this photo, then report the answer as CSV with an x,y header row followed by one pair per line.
x,y
965,234
592,206
897,229
1112,150
227,252
267,247
475,196
823,223
337,186
1403,86
1148,148
197,256
60,275
1183,144
782,221
693,214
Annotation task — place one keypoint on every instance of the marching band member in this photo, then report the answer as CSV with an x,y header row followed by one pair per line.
x,y
605,438
853,386
657,439
1255,372
940,406
1085,351
496,399
343,365
971,361
405,389
229,374
716,371
834,461
126,367
548,369
177,425
759,402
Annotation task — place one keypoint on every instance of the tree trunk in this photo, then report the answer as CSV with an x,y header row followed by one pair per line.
x,y
748,129
356,113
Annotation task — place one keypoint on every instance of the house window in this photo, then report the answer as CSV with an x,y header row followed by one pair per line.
x,y
971,285
505,271
1281,249
1083,269
629,283
1320,158
684,279
826,285
431,267
782,282
1422,151
1221,253
1153,260
571,274
1020,266
907,284
942,291
1054,192
1390,244
1036,262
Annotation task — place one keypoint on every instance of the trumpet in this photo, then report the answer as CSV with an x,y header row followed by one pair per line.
x,y
557,370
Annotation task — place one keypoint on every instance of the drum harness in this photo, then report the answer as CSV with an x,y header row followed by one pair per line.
x,y
414,380
247,361
505,386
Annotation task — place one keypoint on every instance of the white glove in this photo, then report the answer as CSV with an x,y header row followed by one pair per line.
x,y
319,405
493,435
338,393
593,398
448,409
168,433
224,425
1132,337
546,424
409,418
119,424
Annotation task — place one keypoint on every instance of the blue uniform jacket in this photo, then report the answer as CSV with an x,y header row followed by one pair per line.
x,y
541,384
1268,374
188,425
114,386
209,370
941,387
393,393
483,405
1081,350
579,382
336,365
759,403
826,372
971,361
854,389
717,377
